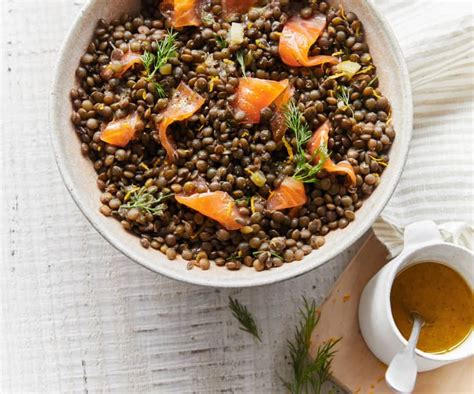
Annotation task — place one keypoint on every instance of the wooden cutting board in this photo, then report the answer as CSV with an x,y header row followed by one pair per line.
x,y
354,367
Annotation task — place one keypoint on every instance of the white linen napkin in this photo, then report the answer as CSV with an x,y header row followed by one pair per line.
x,y
437,39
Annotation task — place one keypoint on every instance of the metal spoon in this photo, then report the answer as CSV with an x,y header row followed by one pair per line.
x,y
401,373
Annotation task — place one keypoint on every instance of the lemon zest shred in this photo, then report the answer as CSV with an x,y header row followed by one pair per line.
x,y
379,161
212,81
343,14
248,171
156,162
357,31
228,61
334,76
376,94
194,236
260,44
288,148
252,204
144,166
144,95
338,53
245,134
129,193
365,70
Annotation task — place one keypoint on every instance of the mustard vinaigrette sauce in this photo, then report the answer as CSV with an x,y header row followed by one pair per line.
x,y
442,297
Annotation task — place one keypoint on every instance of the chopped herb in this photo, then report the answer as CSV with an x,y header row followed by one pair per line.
x,y
207,18
245,318
305,170
372,81
240,59
221,42
235,256
245,199
343,96
159,89
272,252
308,375
165,49
141,199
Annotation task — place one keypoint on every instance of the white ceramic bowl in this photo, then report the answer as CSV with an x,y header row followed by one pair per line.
x,y
80,177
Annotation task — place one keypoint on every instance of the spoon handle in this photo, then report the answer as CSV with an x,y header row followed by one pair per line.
x,y
415,334
401,373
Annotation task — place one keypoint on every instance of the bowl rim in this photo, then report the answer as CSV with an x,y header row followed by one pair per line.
x,y
210,280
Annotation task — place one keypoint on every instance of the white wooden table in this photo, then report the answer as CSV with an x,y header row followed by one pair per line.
x,y
75,314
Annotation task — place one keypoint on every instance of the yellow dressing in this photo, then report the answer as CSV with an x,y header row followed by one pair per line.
x,y
442,297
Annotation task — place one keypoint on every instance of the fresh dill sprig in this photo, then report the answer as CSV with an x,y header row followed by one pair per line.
x,y
148,60
305,171
235,256
272,252
152,63
207,18
240,58
372,81
165,49
245,318
142,199
308,375
294,121
221,42
159,89
343,96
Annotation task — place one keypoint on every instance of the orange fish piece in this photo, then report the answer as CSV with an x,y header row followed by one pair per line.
x,y
182,12
296,39
321,137
218,206
254,94
289,194
120,132
116,68
231,7
182,105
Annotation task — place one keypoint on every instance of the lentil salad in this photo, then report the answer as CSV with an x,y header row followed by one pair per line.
x,y
223,154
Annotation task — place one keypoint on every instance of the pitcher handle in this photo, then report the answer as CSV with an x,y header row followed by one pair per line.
x,y
421,233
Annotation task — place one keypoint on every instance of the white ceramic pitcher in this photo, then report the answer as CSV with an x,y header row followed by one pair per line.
x,y
422,242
